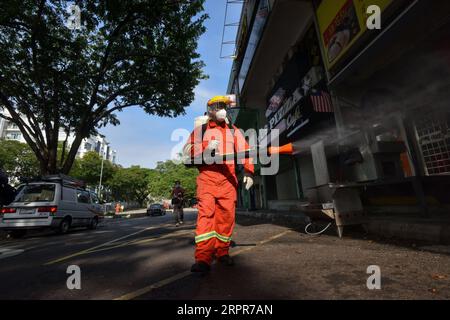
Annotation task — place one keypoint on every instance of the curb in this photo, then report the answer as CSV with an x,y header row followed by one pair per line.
x,y
438,233
427,231
298,218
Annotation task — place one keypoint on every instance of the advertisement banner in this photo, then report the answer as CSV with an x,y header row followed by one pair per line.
x,y
342,23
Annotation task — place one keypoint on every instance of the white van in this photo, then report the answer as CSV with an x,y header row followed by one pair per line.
x,y
58,202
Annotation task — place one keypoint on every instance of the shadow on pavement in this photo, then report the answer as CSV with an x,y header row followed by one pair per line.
x,y
356,232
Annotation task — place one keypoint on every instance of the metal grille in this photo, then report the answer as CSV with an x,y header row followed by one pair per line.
x,y
433,136
226,26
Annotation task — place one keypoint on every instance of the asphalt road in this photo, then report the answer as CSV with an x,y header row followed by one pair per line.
x,y
150,258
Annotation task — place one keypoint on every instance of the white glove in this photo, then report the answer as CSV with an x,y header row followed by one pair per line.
x,y
213,145
248,181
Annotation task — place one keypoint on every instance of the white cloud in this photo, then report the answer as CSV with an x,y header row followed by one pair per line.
x,y
202,95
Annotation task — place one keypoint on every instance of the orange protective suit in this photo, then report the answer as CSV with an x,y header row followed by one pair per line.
x,y
217,190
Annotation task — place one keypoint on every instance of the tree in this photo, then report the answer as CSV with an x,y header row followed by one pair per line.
x,y
88,169
130,184
163,177
17,159
126,53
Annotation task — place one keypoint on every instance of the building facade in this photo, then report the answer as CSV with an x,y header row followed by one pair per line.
x,y
363,106
98,143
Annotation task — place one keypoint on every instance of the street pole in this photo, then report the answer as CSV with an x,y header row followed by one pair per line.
x,y
101,175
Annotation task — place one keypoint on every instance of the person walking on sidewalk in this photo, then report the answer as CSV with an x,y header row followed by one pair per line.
x,y
178,202
216,184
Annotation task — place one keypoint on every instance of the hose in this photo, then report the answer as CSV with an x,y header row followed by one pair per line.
x,y
316,233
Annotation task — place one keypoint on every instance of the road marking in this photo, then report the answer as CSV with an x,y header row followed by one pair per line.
x,y
142,241
261,243
7,253
156,285
179,276
79,253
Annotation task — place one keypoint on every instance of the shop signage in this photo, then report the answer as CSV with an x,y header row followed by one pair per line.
x,y
298,118
285,108
342,23
279,107
275,101
297,112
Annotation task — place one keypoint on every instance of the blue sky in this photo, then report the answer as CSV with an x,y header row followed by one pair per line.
x,y
142,139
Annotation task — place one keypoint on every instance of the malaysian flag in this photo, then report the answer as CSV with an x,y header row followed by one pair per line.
x,y
321,101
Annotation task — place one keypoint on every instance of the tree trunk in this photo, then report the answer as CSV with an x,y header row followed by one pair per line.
x,y
52,158
72,154
64,147
50,161
43,165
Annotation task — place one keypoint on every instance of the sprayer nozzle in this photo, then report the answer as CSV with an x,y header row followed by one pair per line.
x,y
285,149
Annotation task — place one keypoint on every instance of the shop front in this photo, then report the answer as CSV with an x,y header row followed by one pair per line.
x,y
265,43
390,91
297,108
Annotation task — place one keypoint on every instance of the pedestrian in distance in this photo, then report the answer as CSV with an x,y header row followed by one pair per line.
x,y
118,208
177,196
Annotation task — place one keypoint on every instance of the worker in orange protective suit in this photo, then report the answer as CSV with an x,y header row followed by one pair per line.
x,y
216,184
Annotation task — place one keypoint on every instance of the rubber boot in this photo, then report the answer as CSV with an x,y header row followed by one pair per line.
x,y
200,267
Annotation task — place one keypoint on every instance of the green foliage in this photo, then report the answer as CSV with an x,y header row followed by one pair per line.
x,y
126,53
164,176
141,184
17,159
130,184
125,184
88,169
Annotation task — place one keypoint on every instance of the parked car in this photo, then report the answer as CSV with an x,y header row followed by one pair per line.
x,y
57,202
156,209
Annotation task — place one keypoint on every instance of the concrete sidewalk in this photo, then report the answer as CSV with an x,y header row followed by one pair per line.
x,y
296,218
277,262
433,230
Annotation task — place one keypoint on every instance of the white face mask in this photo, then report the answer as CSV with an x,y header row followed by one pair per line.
x,y
221,115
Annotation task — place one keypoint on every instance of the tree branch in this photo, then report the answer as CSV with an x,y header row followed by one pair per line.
x,y
108,112
103,64
35,29
103,111
17,120
5,117
34,123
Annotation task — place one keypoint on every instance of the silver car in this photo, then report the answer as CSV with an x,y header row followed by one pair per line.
x,y
54,202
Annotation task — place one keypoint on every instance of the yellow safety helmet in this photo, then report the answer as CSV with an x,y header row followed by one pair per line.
x,y
219,99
